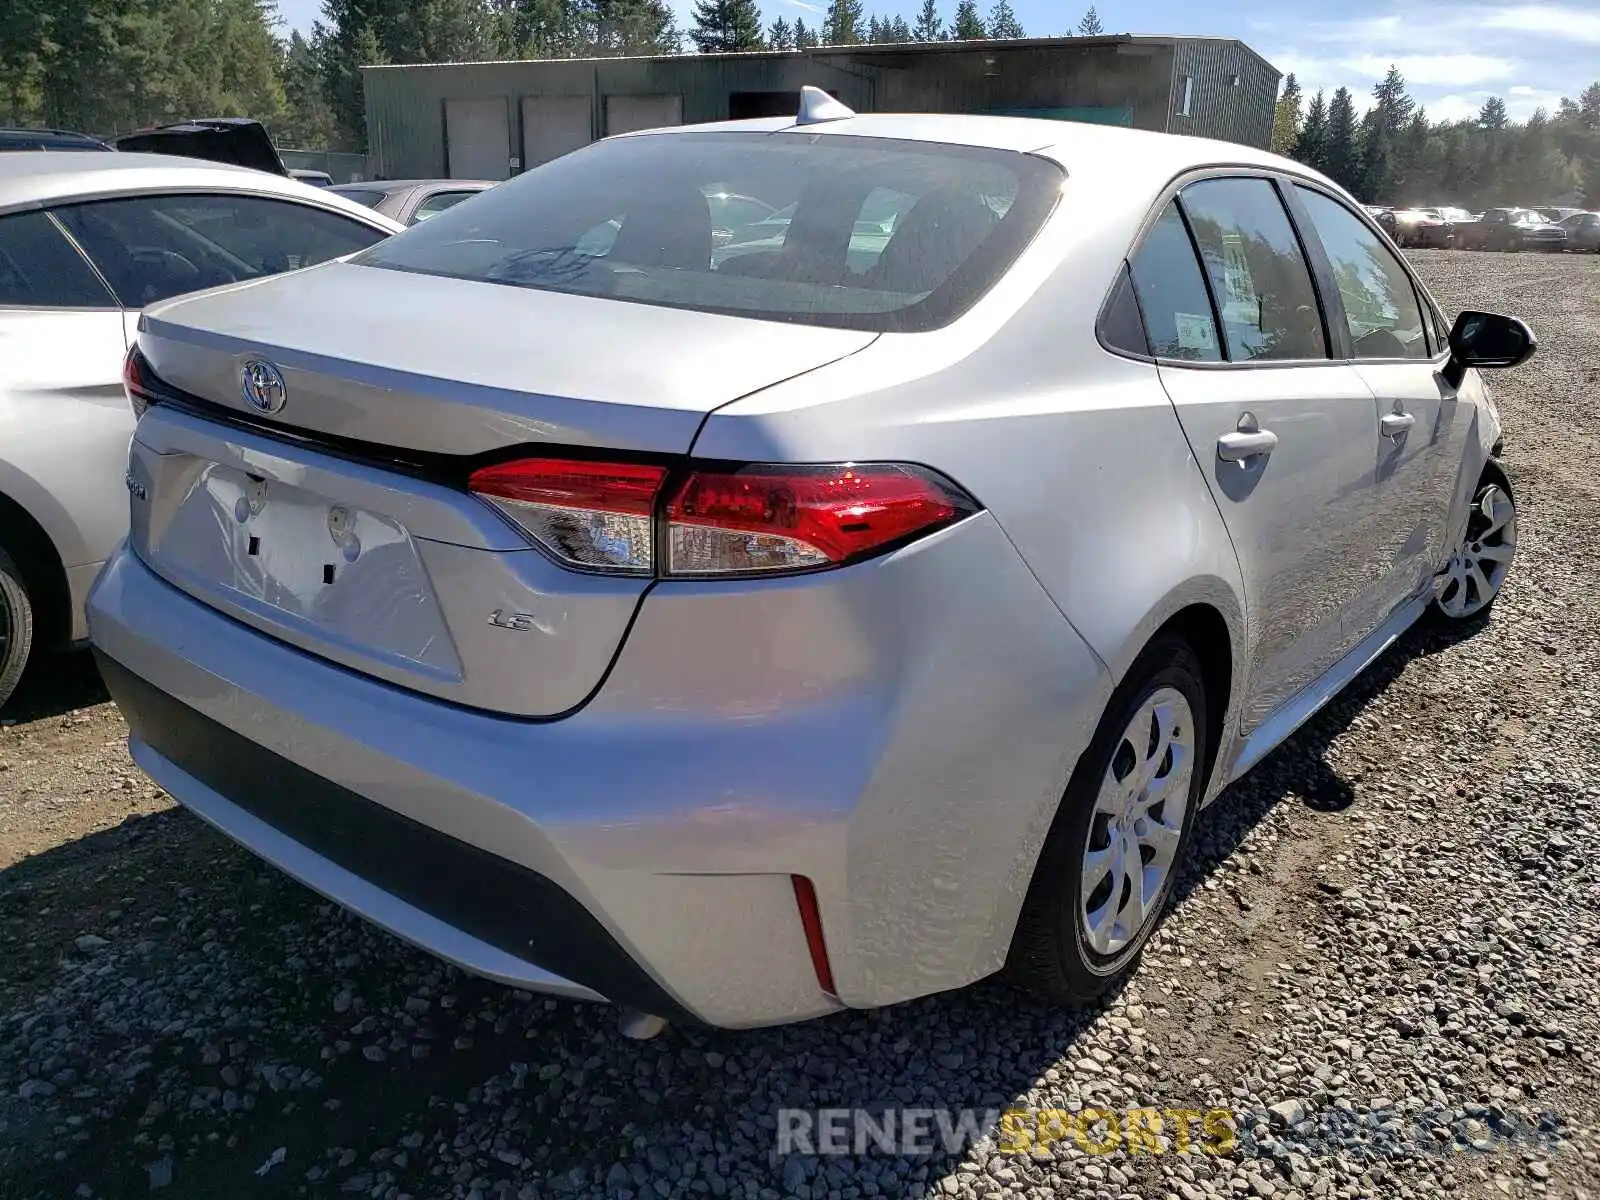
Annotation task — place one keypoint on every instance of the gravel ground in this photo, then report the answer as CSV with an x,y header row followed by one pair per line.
x,y
1383,960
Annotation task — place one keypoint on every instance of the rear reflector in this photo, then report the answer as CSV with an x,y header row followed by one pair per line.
x,y
772,518
752,520
594,515
805,895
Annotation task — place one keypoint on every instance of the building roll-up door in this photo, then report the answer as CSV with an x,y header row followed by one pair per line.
x,y
624,114
554,125
477,139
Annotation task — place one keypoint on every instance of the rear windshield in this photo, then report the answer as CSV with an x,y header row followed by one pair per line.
x,y
361,195
820,229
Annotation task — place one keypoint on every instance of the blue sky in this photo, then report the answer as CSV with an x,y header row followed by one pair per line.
x,y
1454,53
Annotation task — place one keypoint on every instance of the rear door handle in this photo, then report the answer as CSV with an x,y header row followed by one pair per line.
x,y
1396,424
1236,447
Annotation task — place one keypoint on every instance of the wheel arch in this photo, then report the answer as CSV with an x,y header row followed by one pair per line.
x,y
1209,615
43,574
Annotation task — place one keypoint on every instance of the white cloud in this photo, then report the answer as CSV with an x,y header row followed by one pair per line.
x,y
1434,70
1553,20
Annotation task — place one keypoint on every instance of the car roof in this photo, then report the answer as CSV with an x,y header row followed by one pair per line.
x,y
1111,154
49,139
390,186
32,178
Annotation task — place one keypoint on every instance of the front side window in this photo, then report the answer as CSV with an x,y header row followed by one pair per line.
x,y
153,247
1380,305
852,232
1258,272
1172,293
40,269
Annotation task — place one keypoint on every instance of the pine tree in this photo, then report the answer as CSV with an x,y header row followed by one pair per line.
x,y
1340,161
308,121
898,31
1492,116
929,28
1286,117
1090,25
780,35
1312,144
804,38
628,27
968,25
1003,22
1591,185
875,35
842,25
722,25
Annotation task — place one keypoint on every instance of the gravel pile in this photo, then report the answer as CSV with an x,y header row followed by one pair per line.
x,y
1382,964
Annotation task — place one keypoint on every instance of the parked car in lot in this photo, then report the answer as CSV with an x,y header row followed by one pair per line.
x,y
1583,231
238,141
86,240
1386,219
411,200
314,178
48,139
867,624
1510,229
1421,227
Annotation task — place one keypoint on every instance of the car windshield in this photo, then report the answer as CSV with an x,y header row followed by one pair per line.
x,y
852,232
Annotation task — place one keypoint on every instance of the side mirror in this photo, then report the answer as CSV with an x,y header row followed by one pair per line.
x,y
1482,340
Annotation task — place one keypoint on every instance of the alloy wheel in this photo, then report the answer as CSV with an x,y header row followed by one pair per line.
x,y
1137,822
1472,578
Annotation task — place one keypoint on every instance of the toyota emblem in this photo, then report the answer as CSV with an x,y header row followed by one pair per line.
x,y
263,386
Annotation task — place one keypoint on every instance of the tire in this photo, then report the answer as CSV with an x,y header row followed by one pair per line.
x,y
16,627
1054,952
1466,588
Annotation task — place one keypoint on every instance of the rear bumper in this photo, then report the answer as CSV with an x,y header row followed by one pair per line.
x,y
899,733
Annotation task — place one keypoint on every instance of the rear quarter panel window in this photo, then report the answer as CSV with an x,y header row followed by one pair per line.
x,y
1172,293
1257,270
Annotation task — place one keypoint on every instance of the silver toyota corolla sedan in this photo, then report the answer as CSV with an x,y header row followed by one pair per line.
x,y
86,240
740,628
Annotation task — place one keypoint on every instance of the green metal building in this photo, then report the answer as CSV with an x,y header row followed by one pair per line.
x,y
492,120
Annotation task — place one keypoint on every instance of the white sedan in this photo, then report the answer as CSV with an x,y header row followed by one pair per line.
x,y
86,241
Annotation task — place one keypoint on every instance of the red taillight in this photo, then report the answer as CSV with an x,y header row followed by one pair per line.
x,y
805,897
783,518
134,384
749,520
594,515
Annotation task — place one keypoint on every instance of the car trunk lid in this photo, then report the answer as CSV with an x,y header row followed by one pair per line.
x,y
341,523
451,366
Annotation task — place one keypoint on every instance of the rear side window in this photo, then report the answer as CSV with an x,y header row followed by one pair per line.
x,y
437,203
1258,272
153,247
1172,293
851,232
1380,304
40,269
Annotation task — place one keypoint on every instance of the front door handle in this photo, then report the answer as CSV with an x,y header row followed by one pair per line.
x,y
1396,424
1247,441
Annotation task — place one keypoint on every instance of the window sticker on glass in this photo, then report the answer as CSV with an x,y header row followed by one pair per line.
x,y
1196,333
